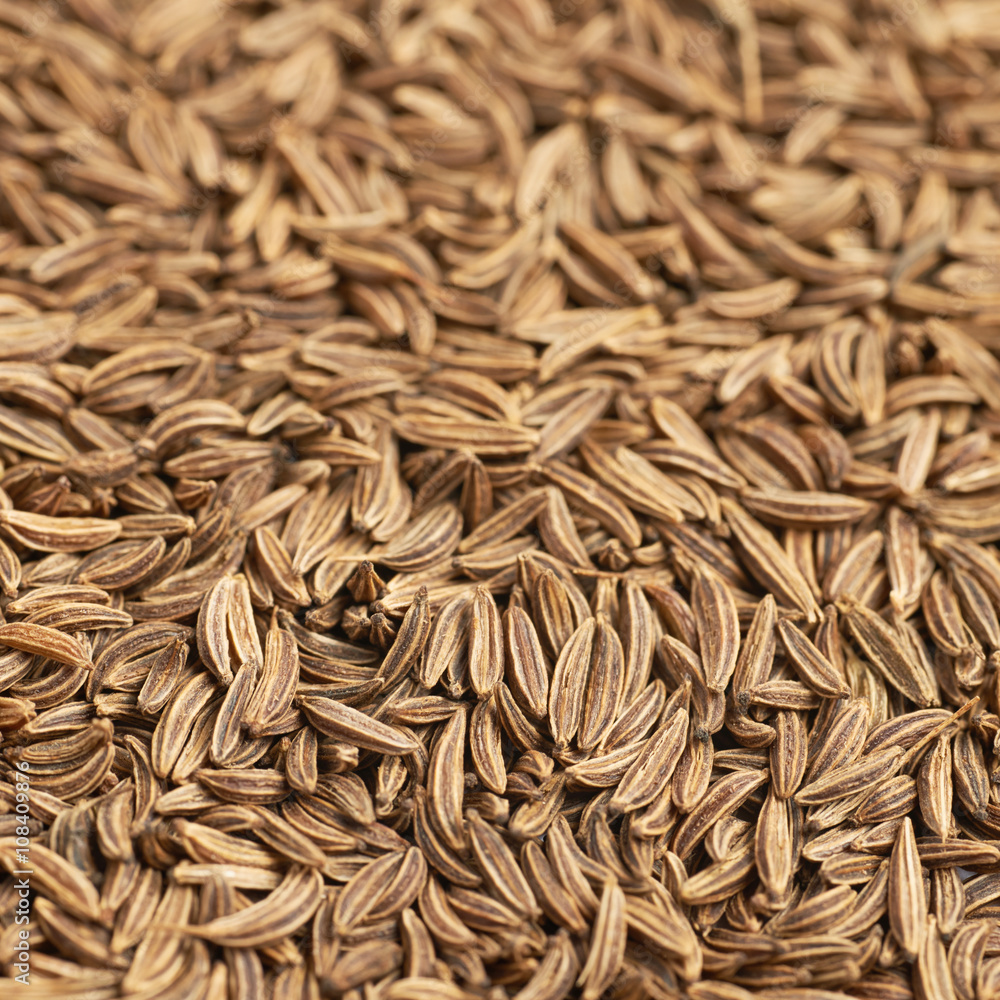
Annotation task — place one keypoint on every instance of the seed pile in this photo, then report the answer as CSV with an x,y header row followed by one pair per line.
x,y
499,499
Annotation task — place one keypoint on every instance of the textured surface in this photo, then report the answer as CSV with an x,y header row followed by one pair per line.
x,y
499,500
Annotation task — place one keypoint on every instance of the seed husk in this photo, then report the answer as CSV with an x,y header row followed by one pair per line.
x,y
501,505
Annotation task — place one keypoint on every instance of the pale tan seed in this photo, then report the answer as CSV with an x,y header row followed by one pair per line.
x,y
447,641
694,772
499,866
843,578
486,647
282,912
595,500
567,690
506,522
917,452
445,781
788,754
607,942
841,741
635,720
554,612
850,779
556,972
722,797
907,903
947,899
809,663
648,775
346,723
718,628
558,531
969,774
227,733
527,672
767,562
934,787
212,631
409,642
275,686
886,652
804,509
604,684
903,560
46,642
485,747
965,956
58,880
